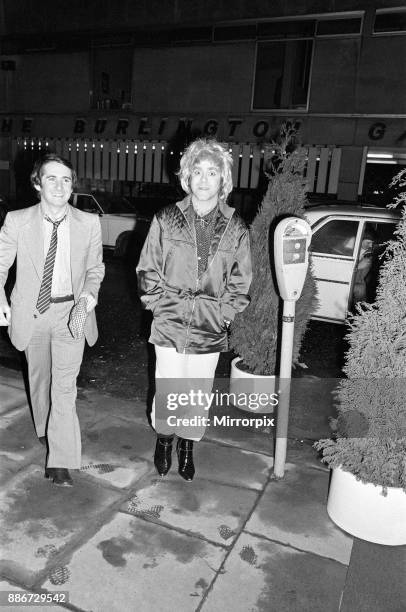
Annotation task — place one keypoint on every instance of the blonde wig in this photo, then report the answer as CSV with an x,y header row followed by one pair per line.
x,y
217,152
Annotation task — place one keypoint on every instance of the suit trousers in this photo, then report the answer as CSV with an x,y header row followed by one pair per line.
x,y
54,359
187,375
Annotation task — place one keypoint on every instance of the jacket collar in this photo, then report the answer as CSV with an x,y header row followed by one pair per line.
x,y
34,237
223,218
186,204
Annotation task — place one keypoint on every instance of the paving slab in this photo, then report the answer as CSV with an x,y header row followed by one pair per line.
x,y
12,377
302,453
375,578
10,595
262,576
38,520
131,564
171,537
293,511
227,431
311,407
201,507
108,405
8,468
231,465
19,442
12,398
247,438
117,442
116,474
88,414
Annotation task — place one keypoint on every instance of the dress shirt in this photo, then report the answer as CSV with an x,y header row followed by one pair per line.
x,y
61,277
62,274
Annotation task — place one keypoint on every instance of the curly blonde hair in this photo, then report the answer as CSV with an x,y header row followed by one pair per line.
x,y
207,148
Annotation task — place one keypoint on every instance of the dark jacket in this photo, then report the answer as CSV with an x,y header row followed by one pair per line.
x,y
190,312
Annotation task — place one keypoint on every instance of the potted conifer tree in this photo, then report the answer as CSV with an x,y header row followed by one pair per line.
x,y
367,453
255,333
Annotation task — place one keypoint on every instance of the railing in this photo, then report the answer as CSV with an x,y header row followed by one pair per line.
x,y
148,161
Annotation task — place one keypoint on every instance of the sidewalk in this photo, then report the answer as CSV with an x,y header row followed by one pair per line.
x,y
123,539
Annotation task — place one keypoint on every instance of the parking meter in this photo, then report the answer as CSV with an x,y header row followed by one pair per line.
x,y
291,245
291,259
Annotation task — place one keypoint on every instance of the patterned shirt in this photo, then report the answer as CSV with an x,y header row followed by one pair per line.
x,y
204,228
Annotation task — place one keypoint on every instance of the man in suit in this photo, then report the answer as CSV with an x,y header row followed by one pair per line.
x,y
59,263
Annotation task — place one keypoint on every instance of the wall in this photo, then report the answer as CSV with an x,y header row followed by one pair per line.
x,y
46,83
334,62
211,78
358,82
355,81
382,75
51,16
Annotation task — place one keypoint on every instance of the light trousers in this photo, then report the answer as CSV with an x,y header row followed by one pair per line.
x,y
54,359
190,375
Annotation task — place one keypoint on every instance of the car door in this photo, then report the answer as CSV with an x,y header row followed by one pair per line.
x,y
119,223
333,251
119,216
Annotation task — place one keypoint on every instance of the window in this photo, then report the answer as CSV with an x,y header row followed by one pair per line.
x,y
86,203
282,74
336,237
390,21
335,27
112,68
285,53
287,29
113,204
231,33
380,233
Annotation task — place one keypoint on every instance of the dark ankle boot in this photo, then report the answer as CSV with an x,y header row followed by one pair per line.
x,y
163,454
184,449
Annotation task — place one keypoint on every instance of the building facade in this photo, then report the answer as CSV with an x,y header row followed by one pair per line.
x,y
119,88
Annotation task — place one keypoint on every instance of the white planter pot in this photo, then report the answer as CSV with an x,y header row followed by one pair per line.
x,y
251,385
362,510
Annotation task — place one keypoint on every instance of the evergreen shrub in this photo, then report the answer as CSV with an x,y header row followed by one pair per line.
x,y
370,436
255,332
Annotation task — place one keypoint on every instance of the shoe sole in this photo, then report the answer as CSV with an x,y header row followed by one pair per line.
x,y
184,477
65,483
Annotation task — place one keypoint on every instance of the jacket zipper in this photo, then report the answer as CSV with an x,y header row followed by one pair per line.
x,y
197,275
197,285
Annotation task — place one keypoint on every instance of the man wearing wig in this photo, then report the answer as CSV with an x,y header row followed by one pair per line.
x,y
194,274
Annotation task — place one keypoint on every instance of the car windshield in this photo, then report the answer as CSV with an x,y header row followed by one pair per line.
x,y
114,204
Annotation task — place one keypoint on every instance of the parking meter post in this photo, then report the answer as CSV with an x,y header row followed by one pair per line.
x,y
285,374
291,244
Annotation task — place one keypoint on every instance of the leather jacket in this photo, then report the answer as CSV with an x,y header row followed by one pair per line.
x,y
191,313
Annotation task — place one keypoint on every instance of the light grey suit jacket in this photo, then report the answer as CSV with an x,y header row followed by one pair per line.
x,y
22,236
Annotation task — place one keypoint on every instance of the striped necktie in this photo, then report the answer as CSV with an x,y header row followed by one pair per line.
x,y
44,297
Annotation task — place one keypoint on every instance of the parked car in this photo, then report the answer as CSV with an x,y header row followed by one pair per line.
x,y
118,217
347,242
152,197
